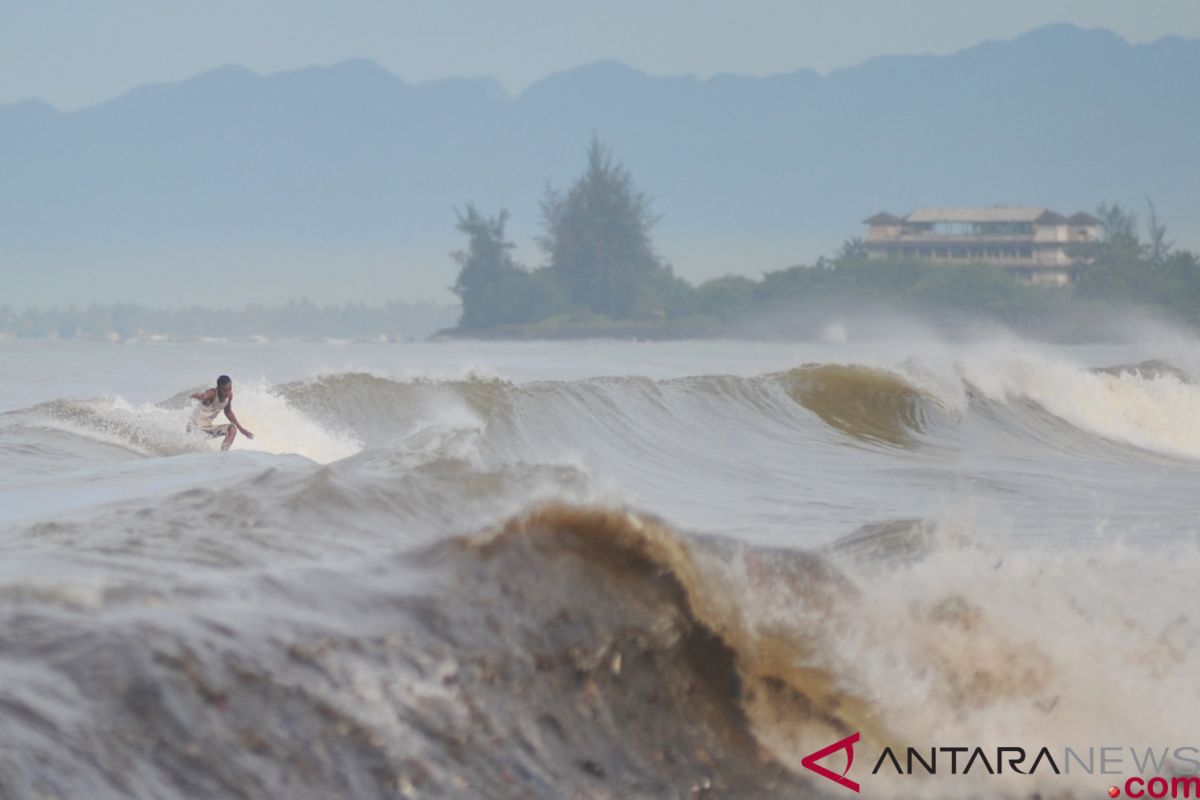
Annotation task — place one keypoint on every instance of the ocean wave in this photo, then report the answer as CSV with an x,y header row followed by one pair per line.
x,y
1038,401
1147,406
1150,406
151,429
865,403
583,649
907,632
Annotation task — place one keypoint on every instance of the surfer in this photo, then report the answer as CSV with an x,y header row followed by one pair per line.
x,y
212,403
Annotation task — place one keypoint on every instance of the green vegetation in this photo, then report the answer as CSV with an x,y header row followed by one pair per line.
x,y
598,241
601,261
1151,272
494,289
603,276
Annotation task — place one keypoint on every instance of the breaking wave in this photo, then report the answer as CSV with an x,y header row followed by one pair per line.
x,y
869,404
661,432
1045,403
579,650
150,429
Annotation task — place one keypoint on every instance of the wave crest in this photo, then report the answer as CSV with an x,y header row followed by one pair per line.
x,y
777,686
868,404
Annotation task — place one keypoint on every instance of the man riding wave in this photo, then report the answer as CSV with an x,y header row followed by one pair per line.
x,y
212,403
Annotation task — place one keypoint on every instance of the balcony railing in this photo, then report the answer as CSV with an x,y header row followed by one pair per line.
x,y
941,238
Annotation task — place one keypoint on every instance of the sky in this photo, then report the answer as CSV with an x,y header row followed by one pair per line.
x,y
74,53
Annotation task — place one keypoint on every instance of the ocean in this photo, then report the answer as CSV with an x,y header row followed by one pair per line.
x,y
596,569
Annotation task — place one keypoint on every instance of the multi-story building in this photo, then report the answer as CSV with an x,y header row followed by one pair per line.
x,y
1033,244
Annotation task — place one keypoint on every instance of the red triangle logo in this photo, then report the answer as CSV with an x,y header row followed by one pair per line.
x,y
847,744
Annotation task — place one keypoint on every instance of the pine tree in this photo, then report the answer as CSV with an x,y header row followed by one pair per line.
x,y
598,242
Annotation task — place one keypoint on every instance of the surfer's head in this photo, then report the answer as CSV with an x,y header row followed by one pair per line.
x,y
224,386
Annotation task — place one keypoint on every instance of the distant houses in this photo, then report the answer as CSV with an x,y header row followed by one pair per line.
x,y
1032,244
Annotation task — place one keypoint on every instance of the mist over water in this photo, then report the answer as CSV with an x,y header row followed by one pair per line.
x,y
600,569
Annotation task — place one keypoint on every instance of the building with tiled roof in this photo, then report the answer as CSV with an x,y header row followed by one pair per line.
x,y
1033,244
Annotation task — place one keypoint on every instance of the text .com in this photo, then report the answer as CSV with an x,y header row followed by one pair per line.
x,y
1158,786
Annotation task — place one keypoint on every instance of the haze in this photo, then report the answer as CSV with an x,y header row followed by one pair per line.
x,y
275,180
76,54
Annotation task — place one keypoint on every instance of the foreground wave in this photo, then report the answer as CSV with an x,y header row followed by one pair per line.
x,y
575,651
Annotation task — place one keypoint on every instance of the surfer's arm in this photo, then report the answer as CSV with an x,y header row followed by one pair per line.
x,y
203,397
233,418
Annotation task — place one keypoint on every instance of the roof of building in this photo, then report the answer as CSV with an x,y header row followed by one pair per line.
x,y
976,215
883,218
1017,214
1049,217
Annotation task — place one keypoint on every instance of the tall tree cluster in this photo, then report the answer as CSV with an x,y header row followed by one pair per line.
x,y
600,256
598,240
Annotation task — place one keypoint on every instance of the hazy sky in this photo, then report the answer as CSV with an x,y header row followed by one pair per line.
x,y
78,52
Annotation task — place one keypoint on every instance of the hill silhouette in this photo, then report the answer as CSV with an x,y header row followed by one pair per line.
x,y
338,182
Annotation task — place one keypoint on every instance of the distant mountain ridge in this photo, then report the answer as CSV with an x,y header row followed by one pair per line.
x,y
338,183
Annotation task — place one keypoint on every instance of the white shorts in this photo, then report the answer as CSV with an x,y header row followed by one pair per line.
x,y
212,430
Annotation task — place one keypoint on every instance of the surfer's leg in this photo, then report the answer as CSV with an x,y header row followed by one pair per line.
x,y
230,435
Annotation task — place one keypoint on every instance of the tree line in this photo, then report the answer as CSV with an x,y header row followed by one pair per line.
x,y
296,319
601,265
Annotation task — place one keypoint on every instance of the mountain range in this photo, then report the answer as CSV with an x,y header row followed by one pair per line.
x,y
339,183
